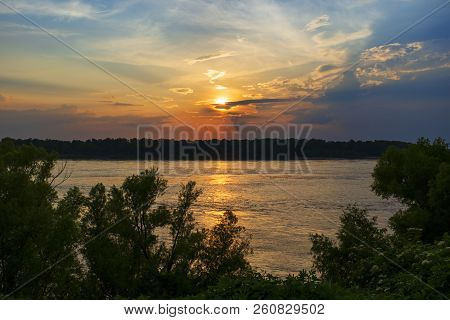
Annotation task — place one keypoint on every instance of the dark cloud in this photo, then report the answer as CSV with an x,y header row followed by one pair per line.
x,y
398,15
183,91
326,67
223,107
402,110
42,87
232,104
66,123
315,115
120,104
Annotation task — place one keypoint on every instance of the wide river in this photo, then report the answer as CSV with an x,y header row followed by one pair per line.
x,y
280,203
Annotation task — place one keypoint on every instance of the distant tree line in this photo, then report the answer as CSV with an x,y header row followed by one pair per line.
x,y
258,149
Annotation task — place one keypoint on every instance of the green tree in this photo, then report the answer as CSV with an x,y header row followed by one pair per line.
x,y
145,249
411,262
36,233
109,243
123,223
373,263
419,177
186,240
225,250
347,261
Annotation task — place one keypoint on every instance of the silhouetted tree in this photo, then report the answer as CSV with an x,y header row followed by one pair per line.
x,y
36,233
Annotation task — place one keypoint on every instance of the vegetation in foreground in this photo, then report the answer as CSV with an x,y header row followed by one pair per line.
x,y
105,245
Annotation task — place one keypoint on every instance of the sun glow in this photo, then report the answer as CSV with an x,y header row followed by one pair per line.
x,y
221,101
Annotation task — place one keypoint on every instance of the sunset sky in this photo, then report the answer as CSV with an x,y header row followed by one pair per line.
x,y
225,62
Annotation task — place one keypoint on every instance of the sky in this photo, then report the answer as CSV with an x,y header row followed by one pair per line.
x,y
346,69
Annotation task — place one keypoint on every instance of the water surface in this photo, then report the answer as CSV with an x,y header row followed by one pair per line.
x,y
279,203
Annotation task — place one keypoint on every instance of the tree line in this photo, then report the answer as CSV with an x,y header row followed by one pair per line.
x,y
258,149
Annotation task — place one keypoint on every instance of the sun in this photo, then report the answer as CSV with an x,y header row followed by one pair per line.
x,y
221,101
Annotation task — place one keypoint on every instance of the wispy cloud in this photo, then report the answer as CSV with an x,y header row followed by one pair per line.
x,y
312,84
323,20
38,86
252,95
183,91
325,39
69,9
67,122
214,75
12,29
212,56
120,104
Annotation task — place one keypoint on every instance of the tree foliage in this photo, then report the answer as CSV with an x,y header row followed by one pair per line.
x,y
419,177
413,261
35,231
110,243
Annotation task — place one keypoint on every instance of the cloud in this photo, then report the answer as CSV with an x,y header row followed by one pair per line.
x,y
390,51
141,73
413,109
371,83
326,67
375,75
120,104
223,107
41,87
69,9
67,123
323,20
213,75
18,29
315,115
231,104
2,98
312,84
253,95
240,39
396,61
324,40
219,87
210,57
183,91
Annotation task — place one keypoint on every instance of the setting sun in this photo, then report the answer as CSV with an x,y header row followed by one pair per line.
x,y
221,100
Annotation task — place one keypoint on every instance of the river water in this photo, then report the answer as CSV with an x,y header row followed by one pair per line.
x,y
280,203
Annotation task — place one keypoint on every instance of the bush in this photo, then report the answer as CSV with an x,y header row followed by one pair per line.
x,y
367,259
256,286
